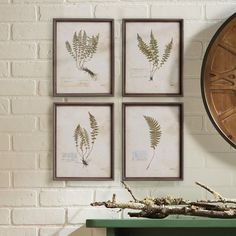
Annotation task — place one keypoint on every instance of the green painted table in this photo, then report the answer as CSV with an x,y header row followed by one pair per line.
x,y
184,226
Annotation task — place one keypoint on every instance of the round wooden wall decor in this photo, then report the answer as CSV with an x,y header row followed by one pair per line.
x,y
218,80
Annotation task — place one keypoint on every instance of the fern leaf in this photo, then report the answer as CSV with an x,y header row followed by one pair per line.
x,y
76,135
69,49
144,48
80,139
86,136
154,131
153,45
166,53
94,126
74,44
82,48
78,43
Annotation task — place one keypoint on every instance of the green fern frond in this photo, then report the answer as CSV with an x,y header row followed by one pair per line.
x,y
94,126
167,52
154,131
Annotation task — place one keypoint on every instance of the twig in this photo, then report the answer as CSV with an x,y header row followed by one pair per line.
x,y
130,191
162,207
215,194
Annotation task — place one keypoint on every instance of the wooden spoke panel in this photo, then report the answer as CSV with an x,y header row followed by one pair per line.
x,y
218,80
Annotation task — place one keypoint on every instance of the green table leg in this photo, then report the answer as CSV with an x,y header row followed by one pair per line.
x,y
111,232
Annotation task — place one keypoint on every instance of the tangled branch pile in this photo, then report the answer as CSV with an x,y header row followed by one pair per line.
x,y
219,207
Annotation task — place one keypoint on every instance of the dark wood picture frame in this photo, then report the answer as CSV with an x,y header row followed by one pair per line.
x,y
111,61
180,58
55,161
180,138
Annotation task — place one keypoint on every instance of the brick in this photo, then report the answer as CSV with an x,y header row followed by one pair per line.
x,y
121,11
4,216
193,124
32,142
227,191
17,161
192,68
200,30
17,124
38,1
221,161
4,106
17,50
4,72
45,160
209,127
32,69
26,31
4,142
18,231
47,13
193,148
80,215
45,123
219,11
33,216
15,198
121,194
66,198
4,29
65,231
214,178
45,88
17,13
193,106
35,179
31,106
193,50
4,179
79,1
212,143
45,50
192,88
17,87
185,11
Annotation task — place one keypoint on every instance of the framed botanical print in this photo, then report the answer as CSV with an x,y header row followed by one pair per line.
x,y
152,141
152,57
83,57
83,141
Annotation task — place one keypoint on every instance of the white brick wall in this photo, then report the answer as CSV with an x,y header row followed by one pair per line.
x,y
42,216
31,203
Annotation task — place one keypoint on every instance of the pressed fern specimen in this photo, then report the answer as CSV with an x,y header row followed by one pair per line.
x,y
154,134
82,49
151,52
84,140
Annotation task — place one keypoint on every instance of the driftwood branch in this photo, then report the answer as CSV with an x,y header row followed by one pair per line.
x,y
162,207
